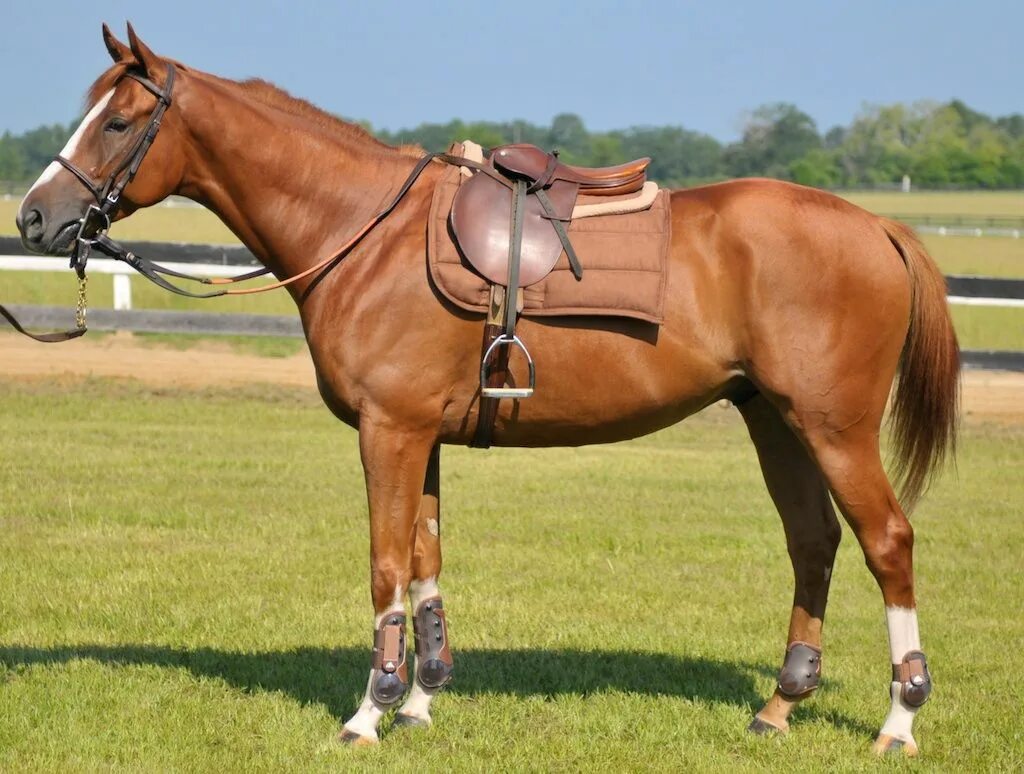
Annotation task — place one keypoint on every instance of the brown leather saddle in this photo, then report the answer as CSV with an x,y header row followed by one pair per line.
x,y
510,221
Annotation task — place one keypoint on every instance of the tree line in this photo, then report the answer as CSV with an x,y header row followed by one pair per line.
x,y
938,145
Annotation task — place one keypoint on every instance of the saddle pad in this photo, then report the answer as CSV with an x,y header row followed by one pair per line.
x,y
624,259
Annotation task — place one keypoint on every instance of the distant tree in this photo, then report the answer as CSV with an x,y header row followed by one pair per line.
x,y
13,166
678,156
818,168
938,145
775,136
834,137
569,136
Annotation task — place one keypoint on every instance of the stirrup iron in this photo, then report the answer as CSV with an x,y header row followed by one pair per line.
x,y
506,392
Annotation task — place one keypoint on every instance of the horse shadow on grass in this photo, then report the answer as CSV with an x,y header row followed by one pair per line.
x,y
328,676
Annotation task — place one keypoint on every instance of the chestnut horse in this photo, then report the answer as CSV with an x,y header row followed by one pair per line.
x,y
794,304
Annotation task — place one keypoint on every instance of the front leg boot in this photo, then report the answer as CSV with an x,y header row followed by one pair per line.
x,y
433,657
390,678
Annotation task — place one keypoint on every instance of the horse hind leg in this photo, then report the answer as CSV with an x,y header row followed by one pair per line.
x,y
812,533
852,465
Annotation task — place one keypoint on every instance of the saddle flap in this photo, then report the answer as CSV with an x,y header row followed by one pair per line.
x,y
481,222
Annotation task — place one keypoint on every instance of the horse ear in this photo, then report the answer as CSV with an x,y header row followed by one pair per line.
x,y
143,54
119,52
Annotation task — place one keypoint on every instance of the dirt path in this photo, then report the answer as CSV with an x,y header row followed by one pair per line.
x,y
986,394
205,365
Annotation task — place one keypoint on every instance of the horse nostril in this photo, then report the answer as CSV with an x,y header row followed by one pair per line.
x,y
33,226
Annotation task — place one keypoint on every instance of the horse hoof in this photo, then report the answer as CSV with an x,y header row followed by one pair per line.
x,y
411,721
352,739
763,728
890,745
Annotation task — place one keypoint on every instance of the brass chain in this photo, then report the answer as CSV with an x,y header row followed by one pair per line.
x,y
81,308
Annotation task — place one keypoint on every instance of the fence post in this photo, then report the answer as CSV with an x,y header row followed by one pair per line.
x,y
122,291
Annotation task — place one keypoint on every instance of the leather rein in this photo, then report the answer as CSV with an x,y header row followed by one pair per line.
x,y
92,232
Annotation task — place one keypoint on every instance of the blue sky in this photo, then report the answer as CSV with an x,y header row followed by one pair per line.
x,y
616,64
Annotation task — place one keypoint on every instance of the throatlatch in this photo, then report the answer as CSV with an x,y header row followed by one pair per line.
x,y
801,671
433,658
914,678
390,678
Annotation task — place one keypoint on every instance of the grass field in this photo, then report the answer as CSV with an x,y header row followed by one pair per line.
x,y
184,586
975,203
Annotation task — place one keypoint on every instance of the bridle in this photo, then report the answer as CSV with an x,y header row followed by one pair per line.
x,y
98,217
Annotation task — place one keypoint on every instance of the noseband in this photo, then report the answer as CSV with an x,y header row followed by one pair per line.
x,y
108,194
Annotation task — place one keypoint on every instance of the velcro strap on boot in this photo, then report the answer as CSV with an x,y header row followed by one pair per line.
x,y
390,673
433,656
914,678
801,670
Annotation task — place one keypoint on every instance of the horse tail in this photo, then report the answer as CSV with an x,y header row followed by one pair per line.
x,y
926,404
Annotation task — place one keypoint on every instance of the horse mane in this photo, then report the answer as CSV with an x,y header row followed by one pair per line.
x,y
273,96
267,94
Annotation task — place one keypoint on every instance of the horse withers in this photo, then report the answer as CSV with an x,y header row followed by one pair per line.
x,y
794,304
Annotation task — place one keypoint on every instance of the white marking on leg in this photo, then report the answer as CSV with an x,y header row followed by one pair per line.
x,y
904,636
903,632
368,716
72,145
397,606
421,590
418,703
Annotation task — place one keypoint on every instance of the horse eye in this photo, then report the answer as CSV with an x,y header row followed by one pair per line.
x,y
116,125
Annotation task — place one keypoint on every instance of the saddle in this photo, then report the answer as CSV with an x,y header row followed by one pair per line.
x,y
510,221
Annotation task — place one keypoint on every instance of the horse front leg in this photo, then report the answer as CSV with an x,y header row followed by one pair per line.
x,y
433,656
395,462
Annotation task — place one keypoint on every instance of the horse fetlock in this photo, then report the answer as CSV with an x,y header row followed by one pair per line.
x,y
914,678
801,670
433,656
390,678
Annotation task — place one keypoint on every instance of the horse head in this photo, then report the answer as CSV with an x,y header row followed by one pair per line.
x,y
123,155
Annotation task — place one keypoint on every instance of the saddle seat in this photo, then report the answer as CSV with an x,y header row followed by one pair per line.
x,y
537,165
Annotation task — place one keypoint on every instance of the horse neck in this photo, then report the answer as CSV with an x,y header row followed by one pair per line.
x,y
290,189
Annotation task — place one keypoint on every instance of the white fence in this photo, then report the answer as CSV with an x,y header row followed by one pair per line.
x,y
122,272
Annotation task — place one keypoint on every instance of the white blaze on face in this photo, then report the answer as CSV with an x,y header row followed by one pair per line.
x,y
72,145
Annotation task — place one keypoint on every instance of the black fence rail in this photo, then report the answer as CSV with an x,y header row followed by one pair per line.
x,y
1008,222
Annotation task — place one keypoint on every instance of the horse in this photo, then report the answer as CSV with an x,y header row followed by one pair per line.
x,y
795,305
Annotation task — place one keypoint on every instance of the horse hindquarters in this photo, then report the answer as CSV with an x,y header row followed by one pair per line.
x,y
827,366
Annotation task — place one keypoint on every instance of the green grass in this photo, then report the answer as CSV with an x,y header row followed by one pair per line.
x,y
156,224
185,587
987,327
980,256
977,203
